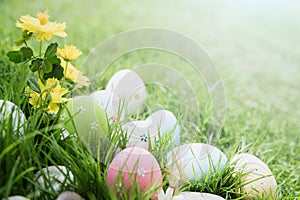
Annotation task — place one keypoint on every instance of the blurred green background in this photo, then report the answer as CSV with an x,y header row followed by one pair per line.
x,y
254,44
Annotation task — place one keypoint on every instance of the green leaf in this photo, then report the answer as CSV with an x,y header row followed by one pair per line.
x,y
47,66
26,35
57,72
33,84
26,53
14,56
51,51
54,60
19,41
36,64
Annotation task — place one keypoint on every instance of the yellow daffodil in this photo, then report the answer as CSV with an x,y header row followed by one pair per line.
x,y
41,26
69,52
74,75
51,88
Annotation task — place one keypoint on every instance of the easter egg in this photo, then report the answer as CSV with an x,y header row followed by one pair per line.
x,y
197,196
134,164
129,92
257,174
194,161
104,101
13,117
69,196
83,116
54,177
154,128
17,197
165,121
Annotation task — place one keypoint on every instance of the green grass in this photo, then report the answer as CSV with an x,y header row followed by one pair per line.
x,y
253,44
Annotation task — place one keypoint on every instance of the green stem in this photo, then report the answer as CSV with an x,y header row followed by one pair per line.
x,y
41,45
40,69
65,73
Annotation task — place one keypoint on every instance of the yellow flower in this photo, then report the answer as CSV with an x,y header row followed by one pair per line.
x,y
41,26
75,75
69,52
51,88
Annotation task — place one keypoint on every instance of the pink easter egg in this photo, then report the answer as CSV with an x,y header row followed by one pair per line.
x,y
134,164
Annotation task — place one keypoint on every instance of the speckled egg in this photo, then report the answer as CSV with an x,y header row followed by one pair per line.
x,y
156,126
134,163
129,91
257,174
194,161
18,120
84,116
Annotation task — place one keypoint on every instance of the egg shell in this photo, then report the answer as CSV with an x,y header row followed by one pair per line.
x,y
84,115
195,160
137,133
134,163
159,122
197,196
17,197
128,89
165,121
67,195
18,121
104,101
257,174
55,175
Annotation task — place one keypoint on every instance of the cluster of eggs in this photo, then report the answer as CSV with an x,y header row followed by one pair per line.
x,y
125,94
191,162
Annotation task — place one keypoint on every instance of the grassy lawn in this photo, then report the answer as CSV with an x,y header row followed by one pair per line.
x,y
254,45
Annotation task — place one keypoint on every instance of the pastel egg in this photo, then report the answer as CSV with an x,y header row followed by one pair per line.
x,y
257,174
194,161
134,163
18,119
82,115
165,121
56,177
156,126
137,134
67,195
17,197
128,89
197,196
104,101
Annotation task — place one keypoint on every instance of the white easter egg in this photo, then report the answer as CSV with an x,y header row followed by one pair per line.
x,y
137,133
257,174
67,195
194,161
17,197
197,196
128,89
56,177
156,126
104,101
18,119
82,115
165,121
